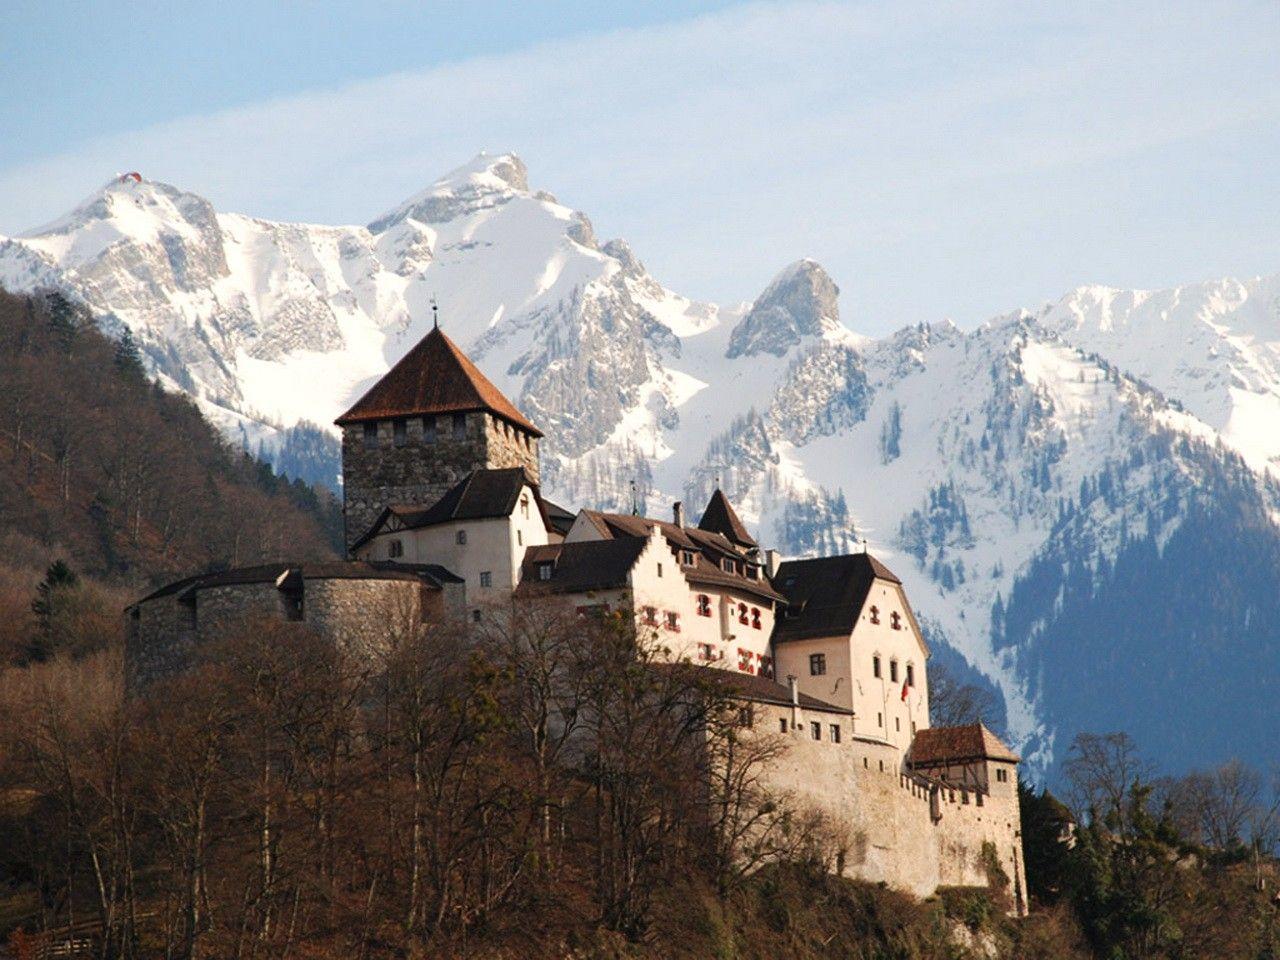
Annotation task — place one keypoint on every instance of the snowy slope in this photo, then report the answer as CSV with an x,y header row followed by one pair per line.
x,y
956,455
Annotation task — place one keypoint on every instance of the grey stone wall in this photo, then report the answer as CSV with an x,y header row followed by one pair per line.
x,y
354,613
425,464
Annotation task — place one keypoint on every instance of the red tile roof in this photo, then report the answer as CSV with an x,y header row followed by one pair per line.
x,y
939,745
434,377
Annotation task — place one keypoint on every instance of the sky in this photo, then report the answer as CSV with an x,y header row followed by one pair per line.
x,y
940,159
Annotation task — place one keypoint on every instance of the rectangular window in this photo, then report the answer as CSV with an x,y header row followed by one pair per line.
x,y
782,725
705,652
475,615
893,671
880,720
815,730
673,620
370,436
459,426
544,569
659,569
686,557
519,538
428,429
726,566
461,538
817,664
875,667
395,549
400,432
651,615
911,675
835,733
524,507
897,724
486,578
745,716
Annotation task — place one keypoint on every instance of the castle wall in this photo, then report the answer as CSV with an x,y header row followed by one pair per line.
x,y
425,465
352,612
898,829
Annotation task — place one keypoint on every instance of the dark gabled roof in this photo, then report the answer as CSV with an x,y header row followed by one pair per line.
x,y
719,517
825,595
430,574
480,495
434,377
972,742
708,549
580,566
558,518
747,686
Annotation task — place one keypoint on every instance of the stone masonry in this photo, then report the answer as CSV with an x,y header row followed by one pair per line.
x,y
430,455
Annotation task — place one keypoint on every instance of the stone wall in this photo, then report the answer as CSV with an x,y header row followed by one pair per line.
x,y
425,464
898,829
164,633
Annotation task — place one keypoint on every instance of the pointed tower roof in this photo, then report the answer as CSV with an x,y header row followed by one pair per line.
x,y
434,377
719,517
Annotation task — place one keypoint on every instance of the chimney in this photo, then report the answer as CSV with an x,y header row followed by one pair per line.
x,y
677,510
795,701
771,563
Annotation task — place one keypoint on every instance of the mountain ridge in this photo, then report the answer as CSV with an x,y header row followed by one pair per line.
x,y
954,452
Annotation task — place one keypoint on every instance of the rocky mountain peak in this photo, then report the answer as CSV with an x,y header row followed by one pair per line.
x,y
800,301
484,181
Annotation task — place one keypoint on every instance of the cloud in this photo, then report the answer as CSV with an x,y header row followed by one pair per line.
x,y
937,157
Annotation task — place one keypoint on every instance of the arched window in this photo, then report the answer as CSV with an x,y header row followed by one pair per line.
x,y
875,614
895,620
704,605
742,613
755,618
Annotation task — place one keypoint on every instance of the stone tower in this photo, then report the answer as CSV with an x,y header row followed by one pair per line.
x,y
424,426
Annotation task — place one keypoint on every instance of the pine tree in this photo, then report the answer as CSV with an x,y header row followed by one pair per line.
x,y
58,580
128,358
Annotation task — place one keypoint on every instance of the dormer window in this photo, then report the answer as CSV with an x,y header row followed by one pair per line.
x,y
545,569
686,557
875,614
726,566
895,620
370,436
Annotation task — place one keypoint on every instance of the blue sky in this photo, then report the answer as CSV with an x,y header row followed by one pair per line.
x,y
940,159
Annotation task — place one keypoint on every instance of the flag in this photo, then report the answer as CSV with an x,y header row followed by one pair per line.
x,y
906,688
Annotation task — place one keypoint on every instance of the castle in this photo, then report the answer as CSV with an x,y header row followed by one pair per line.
x,y
443,506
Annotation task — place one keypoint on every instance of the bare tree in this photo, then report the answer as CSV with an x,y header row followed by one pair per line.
x,y
954,704
1102,770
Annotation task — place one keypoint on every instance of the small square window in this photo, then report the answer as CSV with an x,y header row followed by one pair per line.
x,y
817,664
815,730
486,578
545,568
461,538
835,733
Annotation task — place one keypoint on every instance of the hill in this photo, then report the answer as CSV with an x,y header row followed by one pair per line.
x,y
118,477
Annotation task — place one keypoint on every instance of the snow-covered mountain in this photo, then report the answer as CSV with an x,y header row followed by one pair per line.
x,y
1011,474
